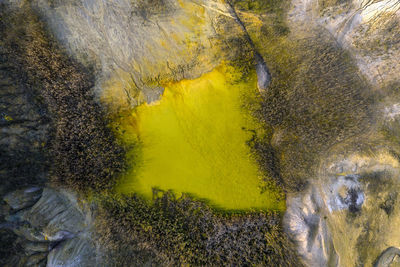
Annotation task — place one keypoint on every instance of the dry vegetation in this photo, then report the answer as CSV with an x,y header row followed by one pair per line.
x,y
183,231
85,155
379,36
316,99
315,103
330,3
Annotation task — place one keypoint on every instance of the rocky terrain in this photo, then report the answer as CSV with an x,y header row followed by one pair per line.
x,y
345,216
51,229
328,76
137,45
24,136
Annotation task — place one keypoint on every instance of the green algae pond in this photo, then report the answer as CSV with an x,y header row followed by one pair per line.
x,y
194,141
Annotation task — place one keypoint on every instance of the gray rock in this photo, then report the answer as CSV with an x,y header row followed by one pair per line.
x,y
29,233
305,222
263,75
135,43
153,94
54,219
16,218
36,259
387,257
345,192
75,252
23,198
23,133
37,246
56,216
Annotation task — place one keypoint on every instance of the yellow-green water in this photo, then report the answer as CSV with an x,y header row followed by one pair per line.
x,y
194,141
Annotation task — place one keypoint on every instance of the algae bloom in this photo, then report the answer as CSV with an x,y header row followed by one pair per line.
x,y
194,141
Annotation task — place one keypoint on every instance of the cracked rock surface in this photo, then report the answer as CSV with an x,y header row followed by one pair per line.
x,y
52,232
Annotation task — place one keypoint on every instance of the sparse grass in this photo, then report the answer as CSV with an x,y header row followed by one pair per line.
x,y
316,99
262,6
335,4
316,102
380,36
149,8
330,3
272,10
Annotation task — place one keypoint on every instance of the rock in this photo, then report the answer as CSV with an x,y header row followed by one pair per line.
x,y
75,252
15,218
37,246
36,259
136,46
307,224
28,232
387,257
24,130
345,193
349,214
354,193
31,217
153,94
263,75
56,215
54,225
23,198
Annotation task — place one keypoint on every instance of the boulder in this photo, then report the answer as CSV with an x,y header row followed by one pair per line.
x,y
23,198
75,252
387,257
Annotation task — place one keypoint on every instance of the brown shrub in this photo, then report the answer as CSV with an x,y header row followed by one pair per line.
x,y
183,231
